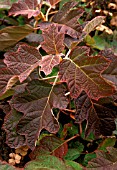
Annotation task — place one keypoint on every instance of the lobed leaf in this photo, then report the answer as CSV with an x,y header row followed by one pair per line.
x,y
100,119
111,72
53,40
25,7
23,61
82,72
36,103
68,17
12,34
48,62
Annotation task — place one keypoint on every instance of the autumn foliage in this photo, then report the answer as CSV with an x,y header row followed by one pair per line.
x,y
50,71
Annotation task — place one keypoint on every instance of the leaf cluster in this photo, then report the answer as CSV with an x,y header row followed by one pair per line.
x,y
59,89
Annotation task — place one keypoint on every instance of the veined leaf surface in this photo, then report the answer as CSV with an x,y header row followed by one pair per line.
x,y
36,104
83,72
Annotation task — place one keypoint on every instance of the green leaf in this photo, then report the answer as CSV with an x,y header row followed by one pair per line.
x,y
7,94
11,35
47,162
74,153
87,158
76,166
6,166
96,42
107,143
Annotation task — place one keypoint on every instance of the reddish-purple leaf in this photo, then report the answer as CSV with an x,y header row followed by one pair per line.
x,y
83,107
68,15
53,2
23,61
13,139
53,40
25,7
111,72
83,72
68,18
36,104
104,160
34,38
7,80
100,119
50,145
61,27
11,35
48,62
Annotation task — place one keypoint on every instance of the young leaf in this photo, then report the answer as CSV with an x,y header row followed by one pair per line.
x,y
25,7
82,72
36,104
48,62
53,40
50,145
104,160
11,35
23,61
100,119
47,162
